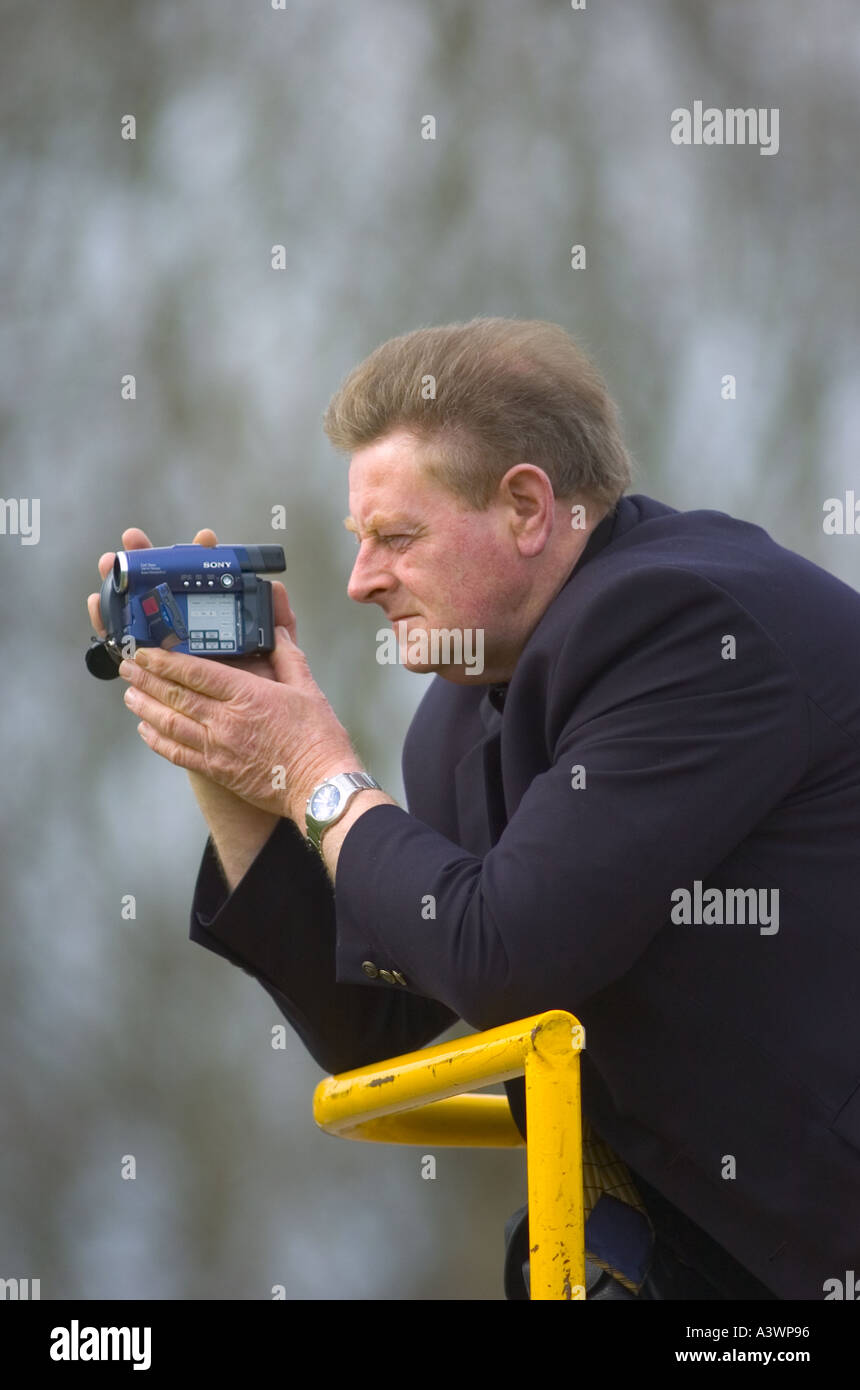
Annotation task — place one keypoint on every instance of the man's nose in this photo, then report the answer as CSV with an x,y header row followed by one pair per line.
x,y
369,579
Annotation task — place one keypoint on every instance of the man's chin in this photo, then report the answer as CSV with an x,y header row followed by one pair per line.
x,y
458,675
428,651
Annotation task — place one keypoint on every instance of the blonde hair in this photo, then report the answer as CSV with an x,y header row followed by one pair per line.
x,y
507,391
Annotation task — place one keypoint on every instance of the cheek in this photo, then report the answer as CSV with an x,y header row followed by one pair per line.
x,y
469,590
462,584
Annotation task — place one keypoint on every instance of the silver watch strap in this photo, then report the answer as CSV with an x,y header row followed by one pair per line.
x,y
356,782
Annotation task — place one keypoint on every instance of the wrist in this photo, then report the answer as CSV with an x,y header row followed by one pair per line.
x,y
331,799
211,796
334,835
322,771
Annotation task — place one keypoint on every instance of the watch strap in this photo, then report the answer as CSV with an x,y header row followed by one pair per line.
x,y
348,784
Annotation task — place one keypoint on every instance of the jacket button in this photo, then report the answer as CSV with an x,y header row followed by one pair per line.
x,y
387,976
398,977
369,969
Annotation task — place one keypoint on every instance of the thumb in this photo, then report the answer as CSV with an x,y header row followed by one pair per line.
x,y
283,658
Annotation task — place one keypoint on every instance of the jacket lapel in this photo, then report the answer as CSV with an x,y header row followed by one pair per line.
x,y
481,813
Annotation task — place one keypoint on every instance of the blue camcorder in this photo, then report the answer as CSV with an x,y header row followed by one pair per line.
x,y
205,600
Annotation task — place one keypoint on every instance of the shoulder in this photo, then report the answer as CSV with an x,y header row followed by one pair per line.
x,y
661,562
671,608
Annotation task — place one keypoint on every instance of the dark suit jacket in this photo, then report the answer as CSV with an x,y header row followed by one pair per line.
x,y
734,766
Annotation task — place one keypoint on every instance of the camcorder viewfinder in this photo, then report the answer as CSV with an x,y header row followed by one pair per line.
x,y
205,600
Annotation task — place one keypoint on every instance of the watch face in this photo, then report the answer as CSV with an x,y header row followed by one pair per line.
x,y
325,802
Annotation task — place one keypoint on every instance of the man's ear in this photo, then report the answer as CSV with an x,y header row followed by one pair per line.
x,y
527,493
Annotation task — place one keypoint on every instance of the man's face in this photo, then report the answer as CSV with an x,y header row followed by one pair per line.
x,y
425,557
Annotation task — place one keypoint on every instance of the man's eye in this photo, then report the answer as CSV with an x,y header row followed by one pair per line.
x,y
397,540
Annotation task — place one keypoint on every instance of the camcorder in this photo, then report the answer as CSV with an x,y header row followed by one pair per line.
x,y
206,600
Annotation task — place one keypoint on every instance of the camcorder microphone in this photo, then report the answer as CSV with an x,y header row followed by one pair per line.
x,y
205,600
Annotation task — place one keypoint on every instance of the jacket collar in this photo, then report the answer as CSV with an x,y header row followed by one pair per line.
x,y
617,521
481,809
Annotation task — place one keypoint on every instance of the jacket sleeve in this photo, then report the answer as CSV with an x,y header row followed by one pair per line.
x,y
278,925
665,745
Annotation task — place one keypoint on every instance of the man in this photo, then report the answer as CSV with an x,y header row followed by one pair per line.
x,y
645,809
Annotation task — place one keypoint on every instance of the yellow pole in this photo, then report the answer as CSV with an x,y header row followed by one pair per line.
x,y
414,1097
554,1125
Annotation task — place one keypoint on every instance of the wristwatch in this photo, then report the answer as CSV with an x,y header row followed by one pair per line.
x,y
328,801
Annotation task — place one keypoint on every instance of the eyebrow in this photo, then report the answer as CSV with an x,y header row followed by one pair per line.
x,y
378,520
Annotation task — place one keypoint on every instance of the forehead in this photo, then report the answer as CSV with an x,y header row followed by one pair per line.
x,y
387,481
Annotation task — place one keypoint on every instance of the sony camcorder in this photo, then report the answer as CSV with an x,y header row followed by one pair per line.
x,y
202,599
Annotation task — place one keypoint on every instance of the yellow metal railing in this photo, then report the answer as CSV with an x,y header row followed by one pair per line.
x,y
418,1099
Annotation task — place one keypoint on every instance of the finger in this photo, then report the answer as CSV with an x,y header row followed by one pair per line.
x,y
283,613
132,539
214,679
168,722
135,539
176,753
167,692
289,662
95,614
205,537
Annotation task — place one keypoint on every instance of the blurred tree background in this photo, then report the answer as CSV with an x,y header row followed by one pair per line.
x,y
302,127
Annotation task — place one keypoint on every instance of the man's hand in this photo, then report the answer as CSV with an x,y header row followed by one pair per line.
x,y
253,748
238,830
267,741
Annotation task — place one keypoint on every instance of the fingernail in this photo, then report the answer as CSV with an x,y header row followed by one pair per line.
x,y
125,669
141,656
